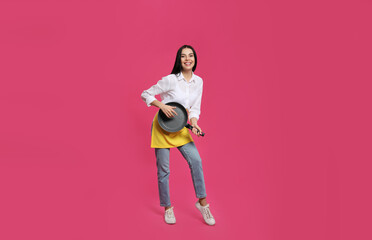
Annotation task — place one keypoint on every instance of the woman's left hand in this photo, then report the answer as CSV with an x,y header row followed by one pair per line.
x,y
195,130
194,124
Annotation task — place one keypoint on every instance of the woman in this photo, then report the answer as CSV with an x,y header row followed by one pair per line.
x,y
184,87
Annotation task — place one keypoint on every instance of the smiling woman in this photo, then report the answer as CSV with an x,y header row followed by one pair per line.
x,y
184,87
186,59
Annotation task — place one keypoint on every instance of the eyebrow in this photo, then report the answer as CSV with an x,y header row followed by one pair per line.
x,y
186,54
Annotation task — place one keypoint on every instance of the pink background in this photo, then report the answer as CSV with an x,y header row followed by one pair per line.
x,y
286,109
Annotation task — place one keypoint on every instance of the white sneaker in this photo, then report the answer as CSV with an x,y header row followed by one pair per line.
x,y
207,215
169,216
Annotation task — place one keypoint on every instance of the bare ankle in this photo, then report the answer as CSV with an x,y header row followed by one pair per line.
x,y
203,201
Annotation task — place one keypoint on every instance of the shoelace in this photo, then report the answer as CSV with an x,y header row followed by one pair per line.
x,y
170,213
207,212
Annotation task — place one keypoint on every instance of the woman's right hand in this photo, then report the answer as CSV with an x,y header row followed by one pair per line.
x,y
168,110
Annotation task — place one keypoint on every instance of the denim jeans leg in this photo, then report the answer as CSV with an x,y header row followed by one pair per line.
x,y
191,154
162,163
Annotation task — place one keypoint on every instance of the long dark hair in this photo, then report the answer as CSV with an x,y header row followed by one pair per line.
x,y
177,68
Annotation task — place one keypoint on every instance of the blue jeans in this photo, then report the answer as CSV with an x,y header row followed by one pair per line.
x,y
191,154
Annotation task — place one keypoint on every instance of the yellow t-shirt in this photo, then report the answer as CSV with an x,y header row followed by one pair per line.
x,y
163,139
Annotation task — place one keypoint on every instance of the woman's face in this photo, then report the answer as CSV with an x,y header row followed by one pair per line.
x,y
187,59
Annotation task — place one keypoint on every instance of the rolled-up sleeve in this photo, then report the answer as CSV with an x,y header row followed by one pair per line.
x,y
195,108
163,85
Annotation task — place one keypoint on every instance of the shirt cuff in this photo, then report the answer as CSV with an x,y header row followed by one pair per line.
x,y
194,115
149,100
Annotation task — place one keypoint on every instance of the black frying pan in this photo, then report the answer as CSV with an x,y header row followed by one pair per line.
x,y
177,122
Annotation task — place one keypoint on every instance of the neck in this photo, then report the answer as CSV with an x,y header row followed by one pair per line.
x,y
187,74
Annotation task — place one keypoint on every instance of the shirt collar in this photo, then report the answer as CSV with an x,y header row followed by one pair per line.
x,y
180,77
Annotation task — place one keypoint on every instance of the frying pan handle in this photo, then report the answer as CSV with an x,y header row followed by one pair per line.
x,y
191,127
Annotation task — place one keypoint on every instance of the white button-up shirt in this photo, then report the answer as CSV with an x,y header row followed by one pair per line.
x,y
175,88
